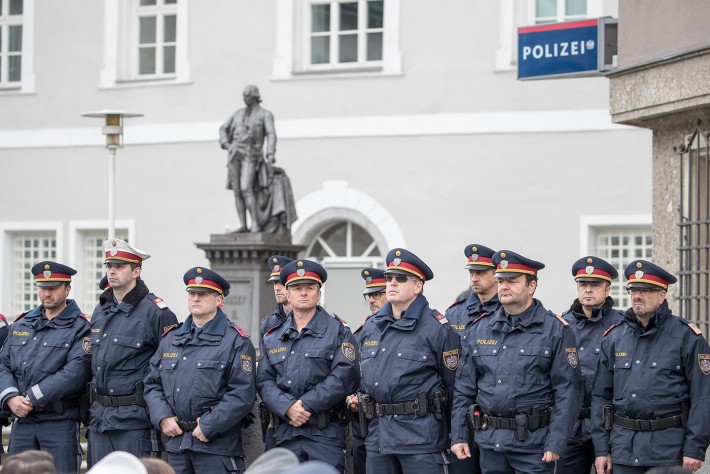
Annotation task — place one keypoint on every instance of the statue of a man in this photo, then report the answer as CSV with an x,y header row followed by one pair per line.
x,y
249,173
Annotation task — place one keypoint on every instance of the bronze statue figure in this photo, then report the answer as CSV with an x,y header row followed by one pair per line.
x,y
259,187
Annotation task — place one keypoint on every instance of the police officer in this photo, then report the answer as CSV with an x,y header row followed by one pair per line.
x,y
651,396
283,307
202,382
464,313
307,367
374,293
519,378
44,365
408,359
126,328
590,315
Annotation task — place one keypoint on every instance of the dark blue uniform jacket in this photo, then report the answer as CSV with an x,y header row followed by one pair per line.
x,y
48,360
463,313
647,373
273,320
124,337
509,370
318,366
589,332
400,358
211,376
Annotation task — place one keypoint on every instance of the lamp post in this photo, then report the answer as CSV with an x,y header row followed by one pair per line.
x,y
113,129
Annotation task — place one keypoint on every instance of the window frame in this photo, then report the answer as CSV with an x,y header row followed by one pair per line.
x,y
26,53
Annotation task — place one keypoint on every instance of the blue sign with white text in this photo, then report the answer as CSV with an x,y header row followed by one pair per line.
x,y
558,49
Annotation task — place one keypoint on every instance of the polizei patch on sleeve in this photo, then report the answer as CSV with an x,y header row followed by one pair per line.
x,y
348,351
571,354
451,359
246,364
704,363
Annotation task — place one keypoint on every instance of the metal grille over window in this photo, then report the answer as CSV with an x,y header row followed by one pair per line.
x,y
694,282
93,269
28,249
619,247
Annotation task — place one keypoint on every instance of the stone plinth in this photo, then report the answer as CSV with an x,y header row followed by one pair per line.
x,y
241,260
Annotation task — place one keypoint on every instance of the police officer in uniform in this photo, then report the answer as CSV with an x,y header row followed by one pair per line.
x,y
202,382
408,358
283,307
464,313
651,396
590,315
307,367
519,378
375,295
126,328
44,365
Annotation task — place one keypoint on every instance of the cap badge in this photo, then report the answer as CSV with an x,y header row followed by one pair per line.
x,y
474,257
199,280
638,275
366,272
368,280
502,255
474,249
639,264
503,264
589,269
47,273
277,268
47,267
300,272
300,263
274,259
199,270
590,260
398,253
397,261
113,252
113,243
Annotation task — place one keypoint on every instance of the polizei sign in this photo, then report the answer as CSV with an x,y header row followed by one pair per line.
x,y
570,49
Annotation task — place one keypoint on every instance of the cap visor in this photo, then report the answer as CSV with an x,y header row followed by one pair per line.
x,y
50,283
474,266
507,274
372,290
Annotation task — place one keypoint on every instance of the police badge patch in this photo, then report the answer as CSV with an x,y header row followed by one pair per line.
x,y
571,354
246,364
348,351
704,363
86,345
451,359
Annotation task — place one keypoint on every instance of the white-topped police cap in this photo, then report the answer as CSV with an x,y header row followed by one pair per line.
x,y
118,251
119,462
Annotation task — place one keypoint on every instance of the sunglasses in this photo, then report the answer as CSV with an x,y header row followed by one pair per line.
x,y
399,278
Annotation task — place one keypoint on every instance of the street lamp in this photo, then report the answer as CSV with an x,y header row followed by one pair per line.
x,y
113,129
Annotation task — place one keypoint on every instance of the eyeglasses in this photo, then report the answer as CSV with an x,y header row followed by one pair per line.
x,y
641,291
374,296
399,278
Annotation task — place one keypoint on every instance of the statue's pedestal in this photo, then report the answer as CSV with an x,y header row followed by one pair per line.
x,y
241,260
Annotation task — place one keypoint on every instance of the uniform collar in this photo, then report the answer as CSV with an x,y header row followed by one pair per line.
x,y
69,313
215,327
597,314
317,326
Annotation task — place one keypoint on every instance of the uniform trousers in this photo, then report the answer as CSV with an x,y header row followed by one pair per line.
x,y
623,469
140,443
58,438
193,462
429,463
309,450
578,458
496,462
359,455
467,466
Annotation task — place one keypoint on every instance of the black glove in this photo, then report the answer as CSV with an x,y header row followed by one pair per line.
x,y
248,420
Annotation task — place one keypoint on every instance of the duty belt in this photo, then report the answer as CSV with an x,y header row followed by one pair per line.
x,y
649,425
585,413
321,420
57,407
513,423
418,407
187,426
521,423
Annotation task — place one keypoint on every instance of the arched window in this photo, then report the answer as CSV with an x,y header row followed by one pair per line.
x,y
344,248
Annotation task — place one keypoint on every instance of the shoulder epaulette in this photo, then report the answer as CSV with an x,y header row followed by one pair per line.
x,y
692,327
167,329
440,317
160,303
561,319
341,320
610,328
86,318
21,316
455,303
241,331
362,325
481,317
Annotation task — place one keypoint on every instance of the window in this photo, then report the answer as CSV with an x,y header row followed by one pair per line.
x,y
337,36
344,248
93,266
619,247
552,11
27,250
145,42
10,42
